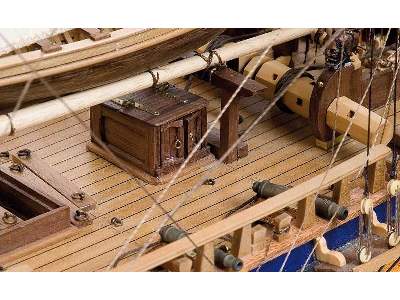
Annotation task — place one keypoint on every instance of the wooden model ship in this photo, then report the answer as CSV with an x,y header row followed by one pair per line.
x,y
201,150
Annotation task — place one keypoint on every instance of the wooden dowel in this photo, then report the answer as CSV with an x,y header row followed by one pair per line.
x,y
50,110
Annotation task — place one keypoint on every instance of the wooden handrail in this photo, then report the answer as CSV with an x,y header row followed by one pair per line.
x,y
254,213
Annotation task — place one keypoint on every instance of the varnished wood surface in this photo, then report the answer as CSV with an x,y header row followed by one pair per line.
x,y
281,149
85,74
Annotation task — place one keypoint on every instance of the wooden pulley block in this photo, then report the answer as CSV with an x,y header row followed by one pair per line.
x,y
366,205
393,239
364,255
393,187
325,92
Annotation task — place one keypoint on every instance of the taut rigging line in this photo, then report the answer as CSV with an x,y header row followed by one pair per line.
x,y
199,183
330,166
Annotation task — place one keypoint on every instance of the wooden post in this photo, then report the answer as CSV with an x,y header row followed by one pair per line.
x,y
201,263
306,212
241,242
376,176
341,191
228,81
229,127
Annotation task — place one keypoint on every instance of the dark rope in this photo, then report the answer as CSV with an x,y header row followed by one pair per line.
x,y
366,187
156,78
393,173
251,201
284,82
12,127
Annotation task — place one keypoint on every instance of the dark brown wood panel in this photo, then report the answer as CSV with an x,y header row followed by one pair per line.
x,y
111,70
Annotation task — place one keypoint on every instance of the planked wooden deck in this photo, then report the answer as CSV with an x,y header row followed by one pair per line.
x,y
281,149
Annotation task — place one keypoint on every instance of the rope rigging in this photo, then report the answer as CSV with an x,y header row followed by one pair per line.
x,y
392,202
330,166
365,219
364,250
199,183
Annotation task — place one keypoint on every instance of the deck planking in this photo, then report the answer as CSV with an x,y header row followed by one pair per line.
x,y
281,149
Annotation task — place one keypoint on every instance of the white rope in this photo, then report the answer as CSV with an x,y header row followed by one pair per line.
x,y
333,160
101,143
189,157
234,145
385,116
376,136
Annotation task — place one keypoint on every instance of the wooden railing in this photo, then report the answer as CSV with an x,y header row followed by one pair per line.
x,y
240,224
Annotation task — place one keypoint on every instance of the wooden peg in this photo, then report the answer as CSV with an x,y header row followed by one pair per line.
x,y
241,242
229,127
341,191
305,212
201,263
180,264
326,255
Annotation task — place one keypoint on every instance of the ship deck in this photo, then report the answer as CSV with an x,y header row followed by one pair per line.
x,y
281,149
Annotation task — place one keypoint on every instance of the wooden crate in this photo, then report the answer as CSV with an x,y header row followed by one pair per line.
x,y
151,131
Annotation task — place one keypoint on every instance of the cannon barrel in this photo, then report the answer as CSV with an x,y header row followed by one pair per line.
x,y
324,207
225,260
171,234
222,258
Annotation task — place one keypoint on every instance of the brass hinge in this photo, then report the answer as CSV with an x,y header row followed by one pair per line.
x,y
129,103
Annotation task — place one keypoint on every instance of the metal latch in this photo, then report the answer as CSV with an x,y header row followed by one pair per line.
x,y
129,103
